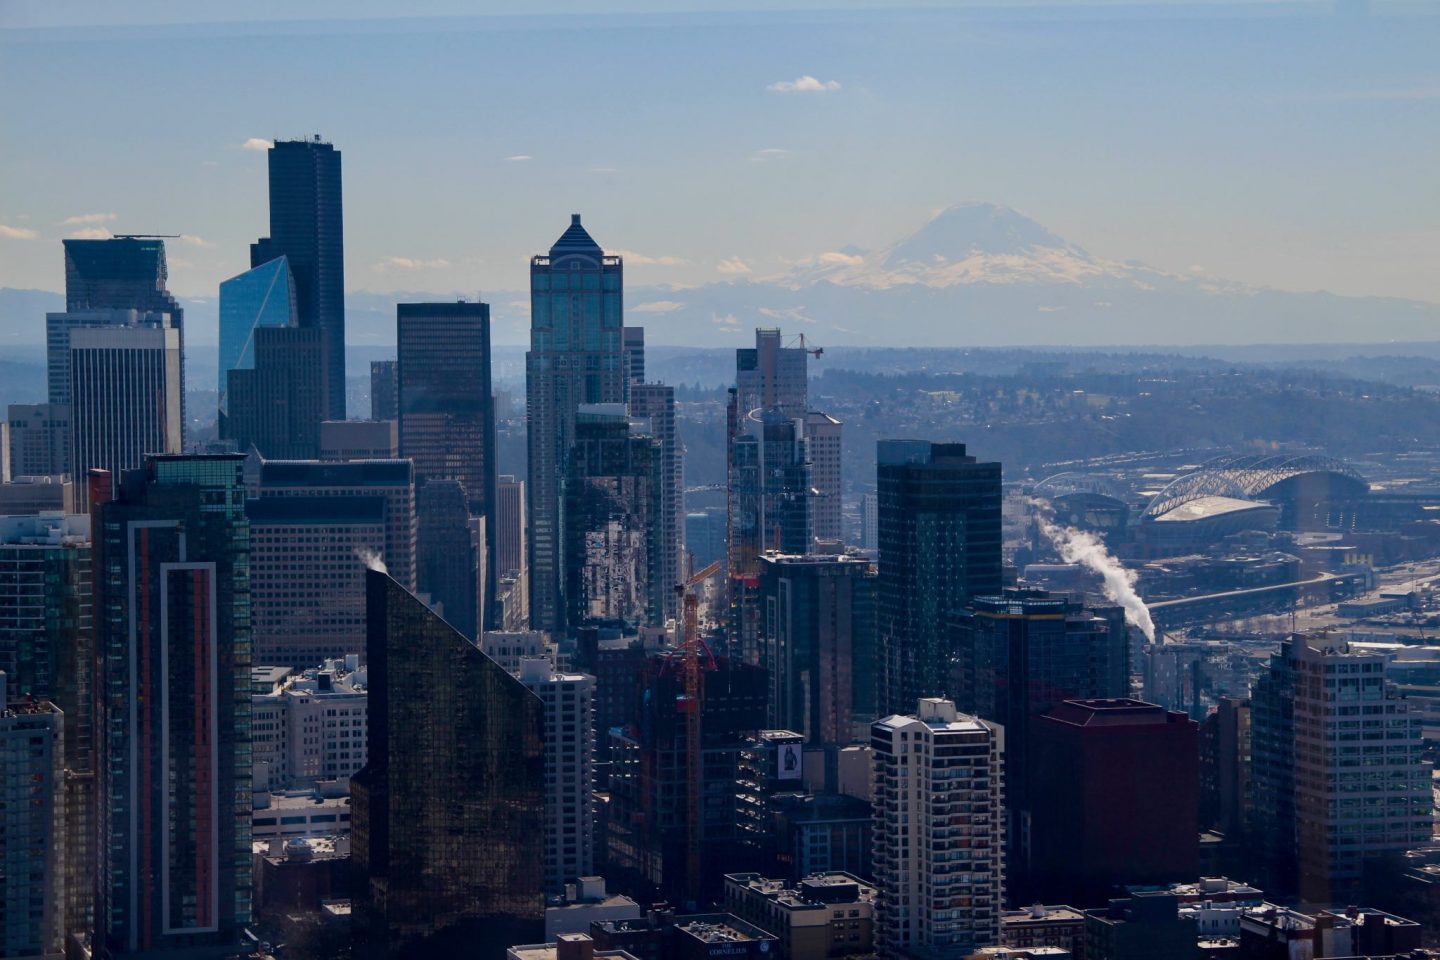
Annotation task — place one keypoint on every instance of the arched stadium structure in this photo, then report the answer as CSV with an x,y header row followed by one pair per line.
x,y
1246,492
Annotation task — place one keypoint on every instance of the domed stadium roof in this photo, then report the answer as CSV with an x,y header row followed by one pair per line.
x,y
1256,477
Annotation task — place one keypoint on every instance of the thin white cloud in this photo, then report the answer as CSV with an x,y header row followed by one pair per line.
x,y
841,259
658,306
604,169
732,265
642,259
805,84
409,263
728,320
195,241
787,314
91,233
257,143
179,262
519,158
768,154
87,218
17,233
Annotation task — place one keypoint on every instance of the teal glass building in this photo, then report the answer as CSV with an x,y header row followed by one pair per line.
x,y
262,297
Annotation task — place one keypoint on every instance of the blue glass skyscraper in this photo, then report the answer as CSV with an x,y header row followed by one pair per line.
x,y
262,297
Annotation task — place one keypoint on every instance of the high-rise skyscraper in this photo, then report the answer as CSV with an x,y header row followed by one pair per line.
x,y
262,296
172,638
449,811
817,644
445,563
512,559
307,228
613,520
33,831
1114,792
655,402
1338,778
47,649
772,376
447,413
569,700
576,357
384,390
1020,654
870,521
277,405
939,547
126,391
39,437
939,847
822,448
633,343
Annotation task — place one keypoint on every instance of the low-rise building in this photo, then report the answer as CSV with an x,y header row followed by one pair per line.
x,y
585,901
1271,931
300,813
1143,926
824,915
310,727
566,946
1044,925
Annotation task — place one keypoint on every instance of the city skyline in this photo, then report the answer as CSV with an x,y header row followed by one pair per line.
x,y
792,120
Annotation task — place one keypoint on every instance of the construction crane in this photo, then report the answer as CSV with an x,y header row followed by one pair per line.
x,y
816,352
690,705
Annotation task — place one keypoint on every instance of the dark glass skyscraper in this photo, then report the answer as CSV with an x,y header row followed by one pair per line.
x,y
172,638
449,811
447,411
276,406
119,273
307,228
576,357
939,547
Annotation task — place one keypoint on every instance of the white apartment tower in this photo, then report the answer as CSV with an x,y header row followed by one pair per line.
x,y
569,700
822,447
939,841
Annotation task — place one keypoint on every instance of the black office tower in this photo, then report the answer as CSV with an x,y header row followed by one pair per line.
x,y
939,547
448,831
447,411
306,225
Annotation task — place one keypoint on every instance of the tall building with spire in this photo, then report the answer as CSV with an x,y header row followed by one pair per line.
x,y
576,357
307,228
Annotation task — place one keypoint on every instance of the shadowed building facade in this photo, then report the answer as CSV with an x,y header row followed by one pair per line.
x,y
939,547
449,811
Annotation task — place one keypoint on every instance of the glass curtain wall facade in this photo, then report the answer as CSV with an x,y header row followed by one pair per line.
x,y
576,357
449,811
261,297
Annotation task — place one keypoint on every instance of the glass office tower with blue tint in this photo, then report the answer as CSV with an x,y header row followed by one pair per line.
x,y
262,297
576,357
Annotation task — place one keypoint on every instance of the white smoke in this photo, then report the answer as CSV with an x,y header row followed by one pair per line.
x,y
1087,550
371,559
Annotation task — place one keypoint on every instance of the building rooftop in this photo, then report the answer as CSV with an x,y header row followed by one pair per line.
x,y
1113,712
1042,913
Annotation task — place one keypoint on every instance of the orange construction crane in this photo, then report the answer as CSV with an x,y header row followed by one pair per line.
x,y
690,705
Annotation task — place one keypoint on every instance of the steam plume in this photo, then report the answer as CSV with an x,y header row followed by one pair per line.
x,y
371,559
1086,549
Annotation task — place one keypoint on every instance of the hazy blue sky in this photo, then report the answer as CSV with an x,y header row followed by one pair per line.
x,y
1293,145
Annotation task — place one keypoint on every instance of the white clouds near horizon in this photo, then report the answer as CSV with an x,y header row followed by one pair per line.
x,y
804,84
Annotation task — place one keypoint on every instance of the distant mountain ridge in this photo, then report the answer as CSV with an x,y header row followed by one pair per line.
x,y
975,274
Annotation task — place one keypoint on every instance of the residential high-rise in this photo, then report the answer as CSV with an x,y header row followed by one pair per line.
x,y
633,343
822,447
512,559
449,812
447,413
445,561
569,770
1114,794
126,392
1017,656
172,639
576,357
384,390
870,521
39,437
33,831
1225,768
939,848
817,643
277,405
47,649
939,548
772,376
1338,778
263,296
613,525
655,402
307,228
